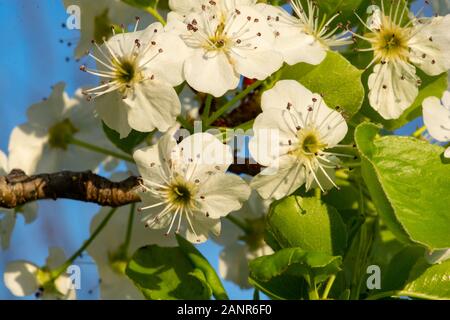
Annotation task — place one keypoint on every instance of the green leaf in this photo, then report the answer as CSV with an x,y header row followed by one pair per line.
x,y
409,183
307,223
167,273
143,4
202,264
127,144
409,274
287,273
431,86
335,78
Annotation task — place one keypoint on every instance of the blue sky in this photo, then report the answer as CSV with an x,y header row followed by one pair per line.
x,y
32,60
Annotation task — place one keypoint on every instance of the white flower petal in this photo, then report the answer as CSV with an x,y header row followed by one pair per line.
x,y
20,278
114,112
291,40
279,181
26,146
430,47
223,193
56,258
154,104
233,265
437,119
393,88
213,74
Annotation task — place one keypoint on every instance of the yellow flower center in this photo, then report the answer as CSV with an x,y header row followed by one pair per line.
x,y
309,143
181,193
391,41
61,133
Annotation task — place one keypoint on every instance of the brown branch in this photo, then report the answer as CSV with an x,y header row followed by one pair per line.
x,y
17,189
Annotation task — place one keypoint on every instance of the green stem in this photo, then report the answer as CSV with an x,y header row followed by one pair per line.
x,y
185,124
207,108
101,150
129,228
56,273
239,223
419,132
328,287
312,292
154,12
256,295
216,115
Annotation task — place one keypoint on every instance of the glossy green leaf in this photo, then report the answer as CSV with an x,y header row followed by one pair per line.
x,y
127,144
307,223
287,273
167,273
142,4
202,264
335,78
409,182
409,274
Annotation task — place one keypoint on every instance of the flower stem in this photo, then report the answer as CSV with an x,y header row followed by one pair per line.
x,y
312,292
256,295
207,108
185,124
239,223
154,12
230,103
328,287
101,150
419,132
56,273
129,228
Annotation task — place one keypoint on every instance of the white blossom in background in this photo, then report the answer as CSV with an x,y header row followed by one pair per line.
x,y
111,256
291,139
241,247
441,7
138,70
42,145
438,256
303,37
97,17
398,49
8,216
188,182
24,278
226,39
436,115
190,104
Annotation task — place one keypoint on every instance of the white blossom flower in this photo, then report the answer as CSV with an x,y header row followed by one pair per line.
x,y
139,70
24,278
110,254
240,247
42,145
292,136
226,39
188,181
438,256
97,17
398,47
8,216
190,104
303,37
441,7
436,115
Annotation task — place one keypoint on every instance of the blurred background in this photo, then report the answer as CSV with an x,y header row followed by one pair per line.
x,y
37,53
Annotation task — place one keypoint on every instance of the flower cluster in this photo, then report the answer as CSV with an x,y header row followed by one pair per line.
x,y
160,78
